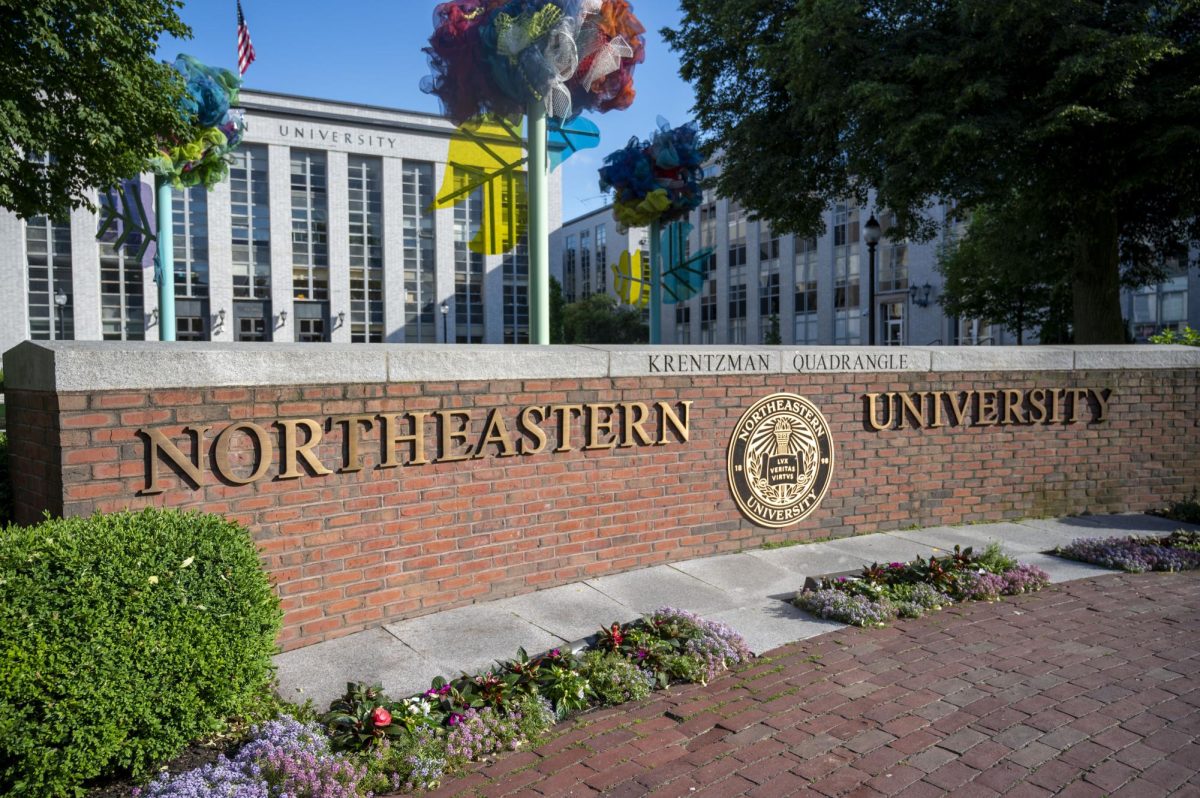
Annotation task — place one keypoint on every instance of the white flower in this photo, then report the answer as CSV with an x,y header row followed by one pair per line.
x,y
187,562
153,580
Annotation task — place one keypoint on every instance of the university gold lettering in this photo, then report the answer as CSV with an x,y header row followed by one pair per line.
x,y
873,411
1037,403
1013,412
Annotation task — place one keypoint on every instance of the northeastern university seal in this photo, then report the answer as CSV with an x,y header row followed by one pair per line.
x,y
780,460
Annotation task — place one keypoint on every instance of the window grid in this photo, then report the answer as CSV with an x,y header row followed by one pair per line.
x,y
601,259
48,252
516,263
190,217
683,324
468,266
585,264
708,314
420,269
569,270
122,302
708,236
805,329
251,222
310,233
847,319
365,199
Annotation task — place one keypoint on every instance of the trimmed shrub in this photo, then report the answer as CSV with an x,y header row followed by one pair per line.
x,y
122,638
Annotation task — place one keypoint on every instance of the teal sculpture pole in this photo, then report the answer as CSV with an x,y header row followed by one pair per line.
x,y
539,228
655,284
166,259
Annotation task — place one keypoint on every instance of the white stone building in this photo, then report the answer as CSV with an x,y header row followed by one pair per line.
x,y
814,291
324,232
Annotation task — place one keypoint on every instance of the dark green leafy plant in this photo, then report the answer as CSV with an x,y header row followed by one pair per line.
x,y
123,638
363,716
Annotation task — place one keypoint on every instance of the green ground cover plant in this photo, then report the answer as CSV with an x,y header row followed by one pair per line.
x,y
123,638
379,744
1178,551
882,593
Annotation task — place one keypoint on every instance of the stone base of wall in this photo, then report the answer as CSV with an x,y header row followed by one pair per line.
x,y
353,548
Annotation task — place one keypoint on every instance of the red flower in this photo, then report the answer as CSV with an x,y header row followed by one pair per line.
x,y
617,637
381,717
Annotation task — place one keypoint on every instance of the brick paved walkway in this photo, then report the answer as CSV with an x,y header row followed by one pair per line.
x,y
1091,688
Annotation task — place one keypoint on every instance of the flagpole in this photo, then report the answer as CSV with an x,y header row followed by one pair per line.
x,y
539,228
166,259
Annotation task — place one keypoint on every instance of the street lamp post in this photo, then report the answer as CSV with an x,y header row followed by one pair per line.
x,y
445,308
60,302
871,234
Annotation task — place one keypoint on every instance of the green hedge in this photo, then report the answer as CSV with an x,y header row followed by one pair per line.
x,y
122,639
5,485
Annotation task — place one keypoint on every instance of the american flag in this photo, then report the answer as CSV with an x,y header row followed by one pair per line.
x,y
245,48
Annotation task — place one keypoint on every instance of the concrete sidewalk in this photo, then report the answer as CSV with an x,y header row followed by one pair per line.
x,y
749,591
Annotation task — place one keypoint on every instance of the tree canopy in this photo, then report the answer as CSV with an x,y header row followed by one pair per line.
x,y
600,319
79,83
1087,112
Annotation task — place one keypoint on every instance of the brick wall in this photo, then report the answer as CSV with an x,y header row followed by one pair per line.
x,y
353,550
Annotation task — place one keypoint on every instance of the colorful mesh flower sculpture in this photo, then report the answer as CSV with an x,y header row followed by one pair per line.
x,y
655,181
501,56
204,159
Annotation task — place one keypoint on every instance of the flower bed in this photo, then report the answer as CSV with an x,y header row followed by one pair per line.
x,y
882,593
370,743
1178,551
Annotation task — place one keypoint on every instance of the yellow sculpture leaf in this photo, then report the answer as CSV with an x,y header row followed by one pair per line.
x,y
631,279
487,155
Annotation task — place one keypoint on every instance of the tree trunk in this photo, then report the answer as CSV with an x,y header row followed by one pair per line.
x,y
1096,280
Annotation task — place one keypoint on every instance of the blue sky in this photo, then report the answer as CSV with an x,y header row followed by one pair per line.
x,y
369,51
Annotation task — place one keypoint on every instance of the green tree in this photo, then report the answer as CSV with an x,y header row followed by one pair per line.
x,y
773,336
1088,108
556,311
78,82
600,319
1009,270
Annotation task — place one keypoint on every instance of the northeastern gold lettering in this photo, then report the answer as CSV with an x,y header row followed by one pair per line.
x,y
496,431
598,427
353,438
530,427
264,453
635,415
451,437
161,443
564,424
416,439
290,465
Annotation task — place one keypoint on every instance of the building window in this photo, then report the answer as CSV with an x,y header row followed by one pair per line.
x,y
250,320
805,266
737,236
190,213
708,236
601,259
569,270
585,264
48,249
683,324
893,324
122,302
1162,306
250,214
516,264
893,257
420,268
708,314
310,227
310,330
768,284
970,332
847,312
366,249
468,265
737,309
